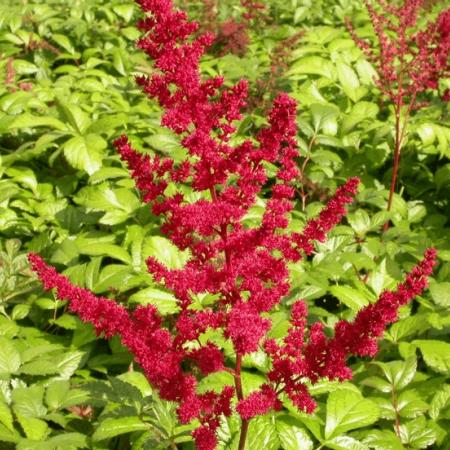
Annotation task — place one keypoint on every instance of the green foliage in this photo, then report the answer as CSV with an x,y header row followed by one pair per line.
x,y
66,91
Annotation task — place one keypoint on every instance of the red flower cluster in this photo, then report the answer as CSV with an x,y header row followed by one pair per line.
x,y
298,359
408,62
244,268
232,37
255,11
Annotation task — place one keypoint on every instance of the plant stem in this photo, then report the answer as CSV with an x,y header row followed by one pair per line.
x,y
240,396
302,171
243,436
397,416
400,131
237,377
397,148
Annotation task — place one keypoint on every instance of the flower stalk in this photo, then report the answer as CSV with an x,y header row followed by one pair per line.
x,y
409,62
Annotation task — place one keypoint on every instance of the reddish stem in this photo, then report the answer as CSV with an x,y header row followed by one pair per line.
x,y
243,436
396,162
400,131
240,396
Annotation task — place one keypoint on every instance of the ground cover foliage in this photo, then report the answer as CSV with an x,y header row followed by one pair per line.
x,y
67,91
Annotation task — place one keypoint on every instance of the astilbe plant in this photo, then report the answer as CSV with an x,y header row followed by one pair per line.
x,y
409,60
243,267
232,36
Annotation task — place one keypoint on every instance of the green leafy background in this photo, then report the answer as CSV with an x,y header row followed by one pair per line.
x,y
67,91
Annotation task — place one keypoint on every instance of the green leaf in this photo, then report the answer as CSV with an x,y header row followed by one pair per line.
x,y
68,363
125,391
24,67
359,221
360,112
291,435
377,383
138,380
443,136
385,406
64,441
100,249
120,60
436,354
35,429
85,152
440,401
407,327
40,350
426,133
23,175
312,65
92,272
9,357
323,115
399,373
440,293
215,382
366,71
262,433
350,297
56,393
108,173
165,302
345,443
39,367
64,42
348,410
163,416
383,440
165,252
7,435
124,11
27,120
442,176
112,427
164,141
118,203
66,321
416,211
6,417
112,276
349,80
417,433
410,405
20,311
28,401
379,278
76,117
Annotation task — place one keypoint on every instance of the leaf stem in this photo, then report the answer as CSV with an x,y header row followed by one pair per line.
x,y
397,415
